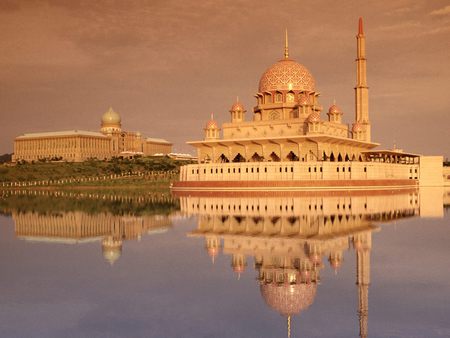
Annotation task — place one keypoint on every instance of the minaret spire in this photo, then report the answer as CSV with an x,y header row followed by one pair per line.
x,y
286,45
361,89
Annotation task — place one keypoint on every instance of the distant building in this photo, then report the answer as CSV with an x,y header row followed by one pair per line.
x,y
79,145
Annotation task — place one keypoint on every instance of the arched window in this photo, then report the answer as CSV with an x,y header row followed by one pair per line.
x,y
290,97
339,157
278,97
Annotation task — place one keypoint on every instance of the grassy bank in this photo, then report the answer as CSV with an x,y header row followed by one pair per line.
x,y
90,201
64,170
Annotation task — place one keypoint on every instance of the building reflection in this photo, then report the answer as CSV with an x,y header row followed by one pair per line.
x,y
289,238
60,217
79,227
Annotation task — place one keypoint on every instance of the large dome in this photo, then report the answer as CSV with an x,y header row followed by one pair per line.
x,y
289,299
111,117
286,74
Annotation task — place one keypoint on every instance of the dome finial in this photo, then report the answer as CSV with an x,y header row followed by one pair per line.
x,y
286,45
212,116
360,26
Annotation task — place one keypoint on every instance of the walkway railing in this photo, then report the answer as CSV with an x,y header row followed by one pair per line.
x,y
145,175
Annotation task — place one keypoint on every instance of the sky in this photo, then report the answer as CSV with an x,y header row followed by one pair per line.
x,y
165,65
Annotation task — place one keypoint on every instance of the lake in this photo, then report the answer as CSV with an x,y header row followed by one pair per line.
x,y
310,264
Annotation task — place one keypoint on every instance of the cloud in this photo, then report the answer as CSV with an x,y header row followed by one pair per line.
x,y
442,11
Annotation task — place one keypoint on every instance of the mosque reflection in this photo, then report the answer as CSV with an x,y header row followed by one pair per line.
x,y
289,238
59,217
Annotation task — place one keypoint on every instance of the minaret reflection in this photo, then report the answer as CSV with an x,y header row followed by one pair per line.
x,y
290,237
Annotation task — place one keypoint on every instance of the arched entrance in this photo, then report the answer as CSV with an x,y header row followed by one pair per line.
x,y
274,157
292,157
223,159
239,158
332,158
257,158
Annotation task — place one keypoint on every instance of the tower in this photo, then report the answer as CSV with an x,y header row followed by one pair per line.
x,y
361,89
237,112
212,129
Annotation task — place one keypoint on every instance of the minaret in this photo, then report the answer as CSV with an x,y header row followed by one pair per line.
x,y
363,246
361,89
212,129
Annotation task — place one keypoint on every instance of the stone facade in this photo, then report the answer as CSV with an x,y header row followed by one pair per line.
x,y
78,145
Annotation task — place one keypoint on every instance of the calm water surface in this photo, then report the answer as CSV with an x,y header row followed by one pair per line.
x,y
317,265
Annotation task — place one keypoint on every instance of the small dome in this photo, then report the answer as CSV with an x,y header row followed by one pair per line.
x,y
334,110
286,74
356,127
303,100
314,117
239,268
237,106
212,124
111,117
213,251
112,249
289,299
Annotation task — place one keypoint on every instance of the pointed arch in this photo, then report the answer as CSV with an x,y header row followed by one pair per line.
x,y
274,157
332,158
339,157
239,158
347,158
353,157
223,159
324,156
278,97
292,157
257,158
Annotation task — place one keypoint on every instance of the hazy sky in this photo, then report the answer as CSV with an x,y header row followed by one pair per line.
x,y
166,65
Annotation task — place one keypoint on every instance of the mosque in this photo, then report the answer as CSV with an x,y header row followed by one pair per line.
x,y
288,144
79,145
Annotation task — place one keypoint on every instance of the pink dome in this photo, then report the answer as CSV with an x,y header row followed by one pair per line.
x,y
289,299
212,123
314,117
334,110
286,74
237,106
